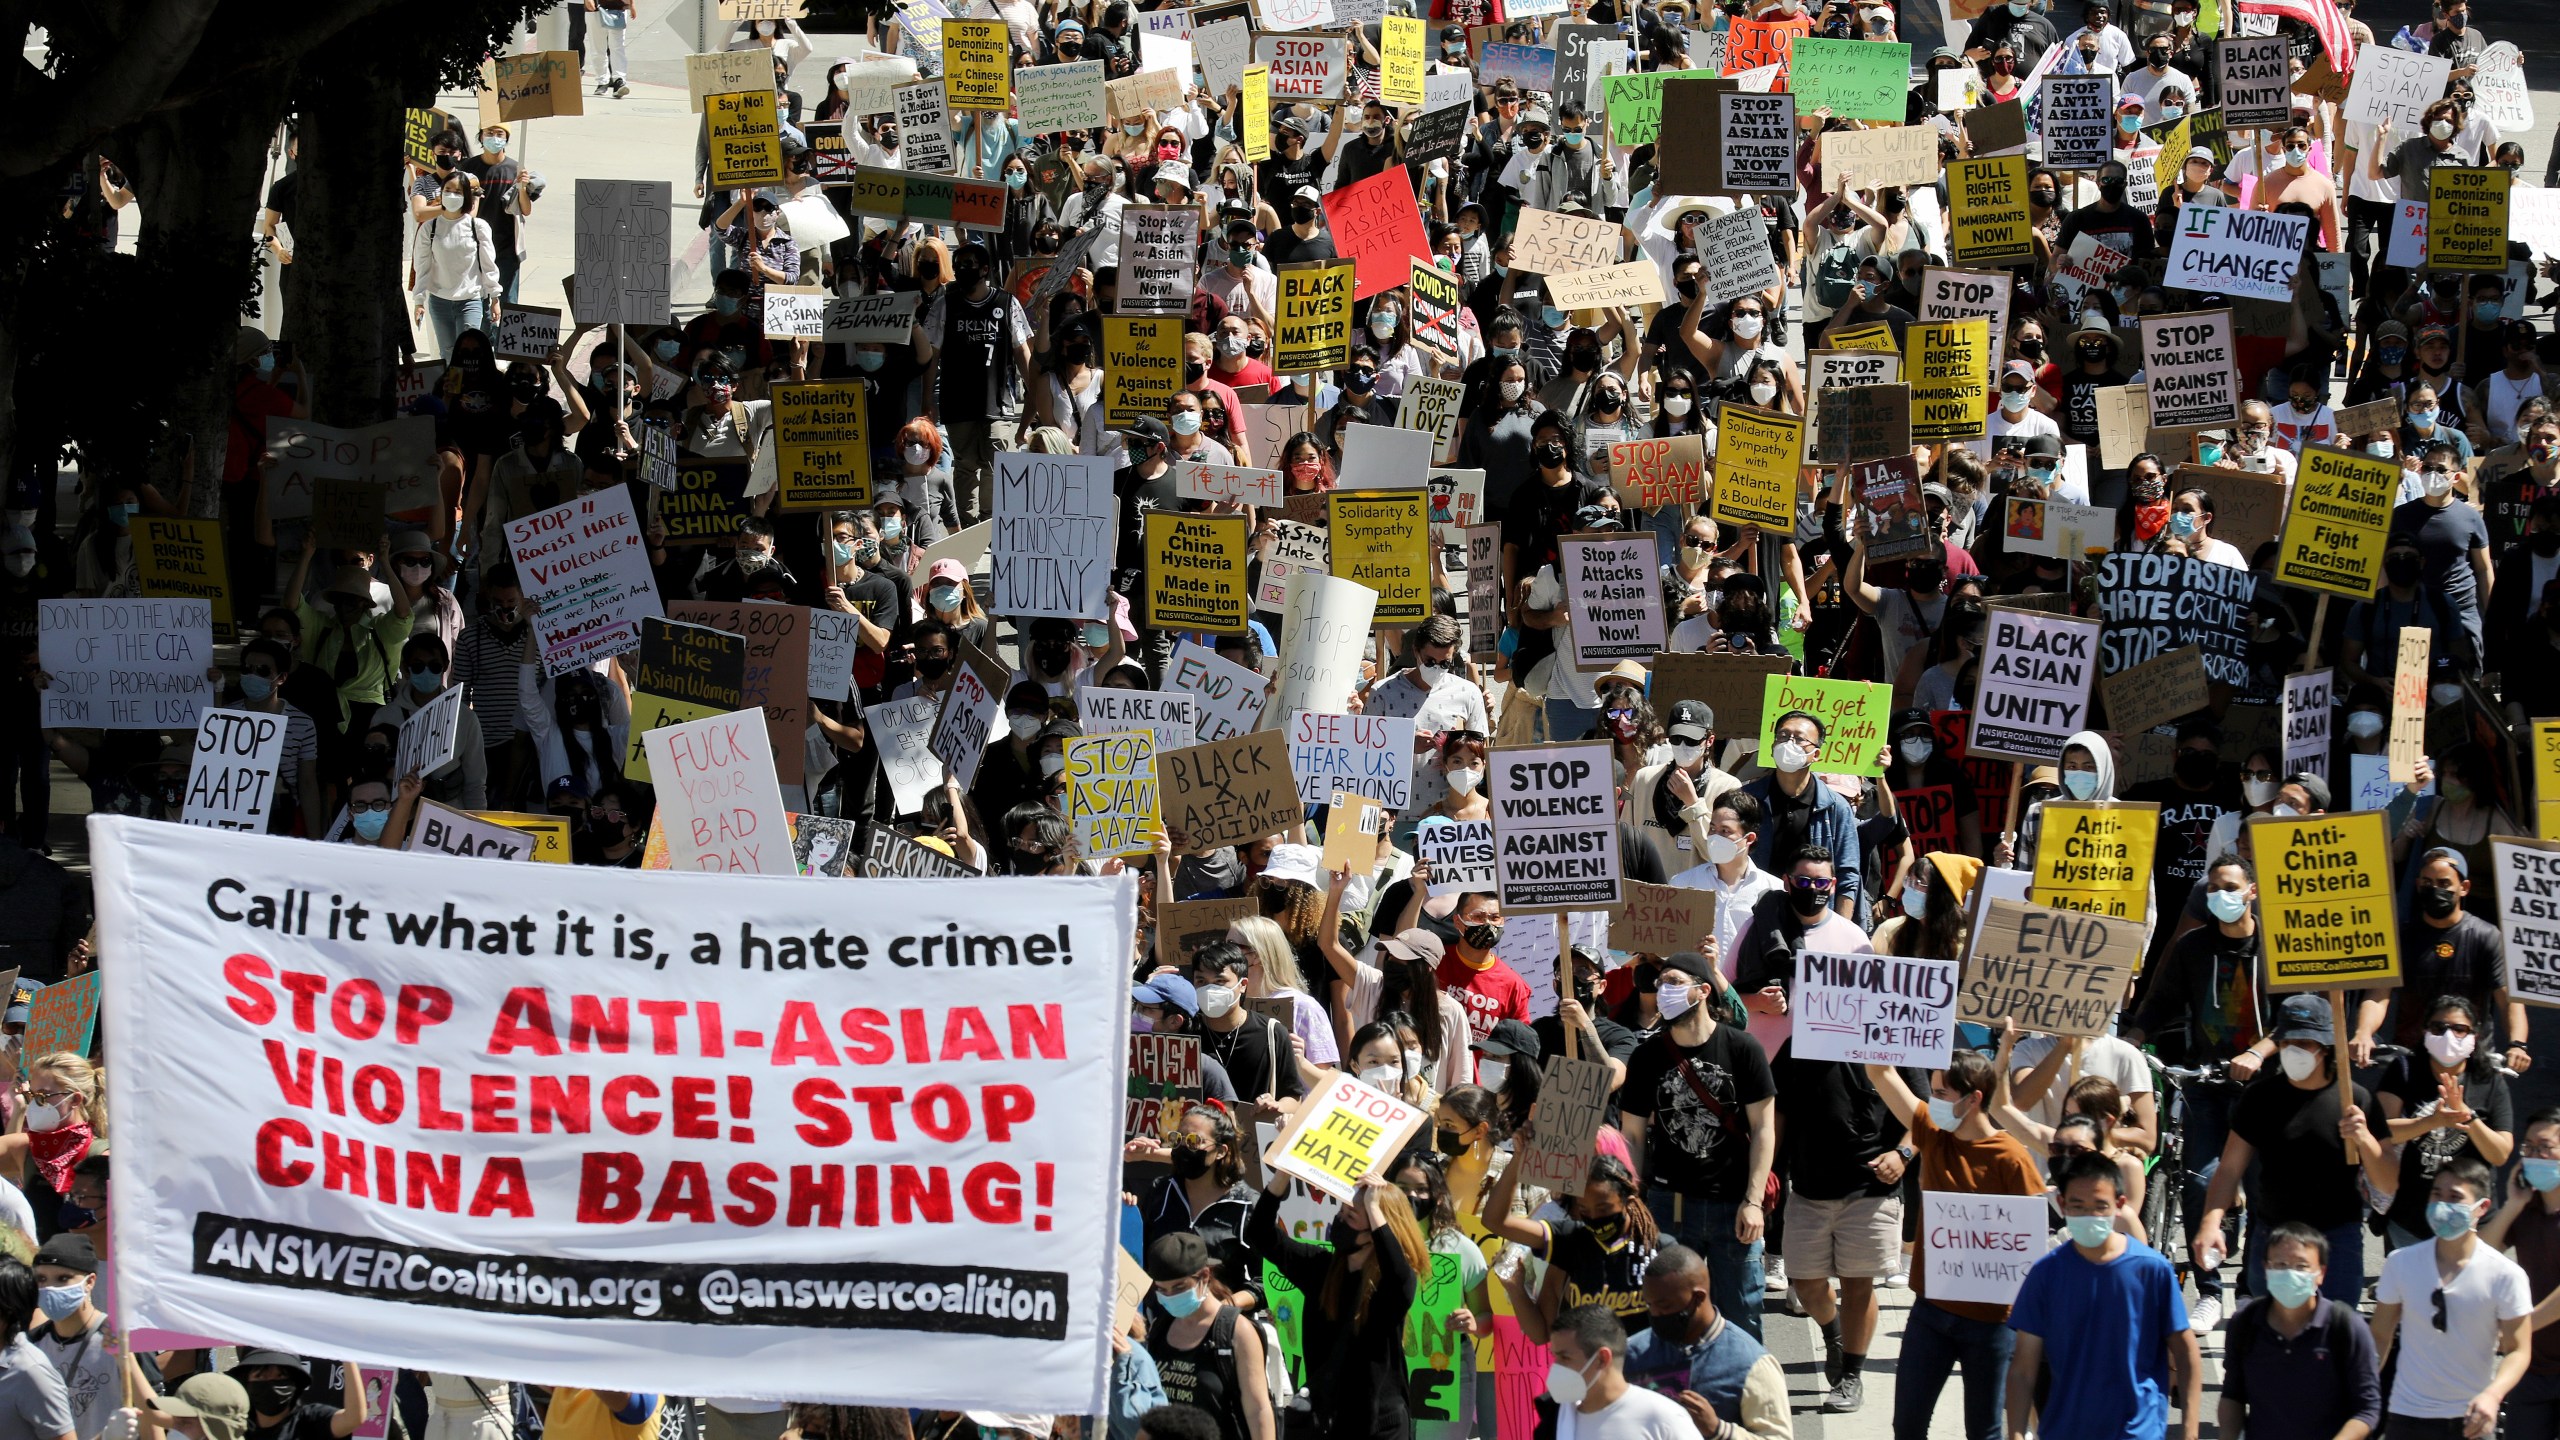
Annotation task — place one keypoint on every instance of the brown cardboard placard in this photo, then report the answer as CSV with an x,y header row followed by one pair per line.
x,y
1864,422
1227,792
1995,129
1564,1126
1663,919
2124,417
2408,744
2155,692
1182,925
1733,686
1354,827
2056,972
346,514
2248,507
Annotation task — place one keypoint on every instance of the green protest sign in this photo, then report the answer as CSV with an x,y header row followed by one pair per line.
x,y
1853,715
1432,1345
1853,79
1635,104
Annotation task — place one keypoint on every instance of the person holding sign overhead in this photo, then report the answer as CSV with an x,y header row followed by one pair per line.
x,y
1358,1288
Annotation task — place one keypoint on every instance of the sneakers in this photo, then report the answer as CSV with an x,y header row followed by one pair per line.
x,y
1898,1280
603,83
1847,1397
621,90
1776,1273
2205,1314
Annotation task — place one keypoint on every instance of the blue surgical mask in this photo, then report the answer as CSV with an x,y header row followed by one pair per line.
x,y
842,551
2182,524
666,349
1915,901
120,515
495,145
1179,1303
1015,179
2089,1231
2227,905
266,365
424,681
2081,783
1550,316
2208,452
2423,419
58,1301
2450,1219
870,359
2543,1175
371,823
256,687
944,597
1942,1113
2292,1288
725,304
1570,139
1096,636
2172,112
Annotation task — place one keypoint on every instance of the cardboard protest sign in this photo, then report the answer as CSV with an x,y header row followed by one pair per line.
x,y
1230,697
526,332
1295,549
1757,455
2326,902
1549,243
220,1210
1987,212
2055,972
1384,457
1886,155
2408,744
549,834
1992,130
1315,325
902,732
1303,67
443,830
2341,514
683,672
1633,284
231,781
777,671
1864,422
1874,1009
2096,856
835,637
1948,365
1167,715
1565,1124
1828,370
430,734
2167,687
584,565
1183,926
2034,686
1656,472
1369,755
1050,553
532,87
1732,686
968,720
1227,792
924,127
707,504
1381,540
63,1016
1734,247
1225,484
1891,508
822,458
1428,407
1663,919
1555,827
1978,1248
2392,86
2053,527
2467,218
1853,716
184,559
2224,250
2157,603
1613,597
418,131
346,514
397,456
2190,369
1164,1078
725,72
718,792
2528,879
1354,828
1460,854
1196,571
2075,109
124,664
1753,142
1342,1133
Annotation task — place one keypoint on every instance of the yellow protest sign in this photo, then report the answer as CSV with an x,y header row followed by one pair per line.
x,y
745,140
1195,571
1948,365
2467,218
1757,455
2546,779
1343,1132
977,68
1256,91
1315,317
2339,518
1141,367
1403,60
822,459
182,559
2096,856
2175,142
1878,336
1987,212
1382,539
550,832
2324,896
1111,793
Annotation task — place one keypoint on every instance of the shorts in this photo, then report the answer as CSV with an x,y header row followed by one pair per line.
x,y
1859,1238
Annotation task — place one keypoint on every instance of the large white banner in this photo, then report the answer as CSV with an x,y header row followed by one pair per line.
x,y
559,1124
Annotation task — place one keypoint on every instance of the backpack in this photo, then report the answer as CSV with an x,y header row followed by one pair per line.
x,y
1835,276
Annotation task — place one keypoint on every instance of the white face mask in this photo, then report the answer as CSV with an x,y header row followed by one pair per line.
x,y
1490,1073
1746,327
1723,849
1675,405
1413,1061
2440,129
1763,393
41,1116
1790,756
2437,486
1217,1000
2258,791
2282,811
916,454
452,202
1671,997
2364,724
1686,754
1465,778
2299,1063
1430,675
1053,764
2450,1049
1024,726
2443,695
1513,389
1383,1077
1566,1384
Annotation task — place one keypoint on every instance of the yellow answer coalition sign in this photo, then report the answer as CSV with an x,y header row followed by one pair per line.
x,y
2325,897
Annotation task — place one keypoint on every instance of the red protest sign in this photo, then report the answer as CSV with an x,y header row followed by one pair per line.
x,y
1989,778
1929,813
1377,224
1750,44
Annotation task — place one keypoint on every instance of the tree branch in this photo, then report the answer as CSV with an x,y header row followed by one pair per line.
x,y
59,119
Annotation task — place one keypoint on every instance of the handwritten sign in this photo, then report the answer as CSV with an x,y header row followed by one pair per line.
x,y
1979,1248
1050,553
1874,1009
1228,792
1460,854
1852,715
231,782
1663,919
2056,972
1565,1124
124,664
902,732
1367,755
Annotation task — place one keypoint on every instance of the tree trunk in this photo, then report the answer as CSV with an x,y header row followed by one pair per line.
x,y
350,229
198,180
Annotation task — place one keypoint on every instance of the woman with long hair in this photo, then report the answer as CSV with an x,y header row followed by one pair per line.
x,y
2440,1106
579,721
60,1120
923,483
2091,1109
1304,467
1276,975
1357,1296
1596,1254
1426,1193
1403,985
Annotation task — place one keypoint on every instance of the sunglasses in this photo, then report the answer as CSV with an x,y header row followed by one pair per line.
x,y
2439,1315
1810,883
2447,1027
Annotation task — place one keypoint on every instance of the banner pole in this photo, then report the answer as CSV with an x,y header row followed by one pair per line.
x,y
1564,984
2338,1048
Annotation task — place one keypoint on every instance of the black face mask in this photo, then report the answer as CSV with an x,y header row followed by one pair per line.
x,y
1192,370
2111,190
273,1397
2196,767
1448,1142
1549,454
1302,212
2400,569
1190,1163
1052,656
1079,354
2031,349
933,667
2436,902
1688,286
1482,937
1808,903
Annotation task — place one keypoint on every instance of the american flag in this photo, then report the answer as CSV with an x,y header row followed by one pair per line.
x,y
2323,17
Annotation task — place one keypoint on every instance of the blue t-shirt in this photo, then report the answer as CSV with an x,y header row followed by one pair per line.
x,y
2106,1332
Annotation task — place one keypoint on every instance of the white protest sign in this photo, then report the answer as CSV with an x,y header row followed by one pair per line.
x,y
720,801
834,639
443,830
2499,91
2394,87
886,317
812,222
796,312
968,718
871,84
625,241
1295,550
1164,49
2034,690
1230,696
1874,1009
1302,68
1224,48
2074,120
1172,717
1050,553
529,1250
902,731
1159,259
1295,14
2306,723
231,785
924,128
2369,782
2190,369
1384,457
1055,98
399,455
1555,825
585,565
526,332
1613,597
1226,484
1431,406
2529,916
2224,250
124,664
1367,755
1735,249
1979,1248
1460,854
1967,295
430,736
1325,627
1343,1133
2406,245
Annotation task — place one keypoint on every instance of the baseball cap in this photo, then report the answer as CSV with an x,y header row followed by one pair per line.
x,y
1692,721
2314,788
1307,192
1511,1037
1149,429
1689,962
22,996
1414,944
1907,720
2448,855
946,569
1170,990
1176,1255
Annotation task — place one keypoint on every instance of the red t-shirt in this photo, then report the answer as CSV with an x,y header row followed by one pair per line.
x,y
1494,993
252,402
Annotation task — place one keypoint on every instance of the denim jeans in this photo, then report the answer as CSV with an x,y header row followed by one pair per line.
x,y
2208,1125
449,318
2344,1281
1934,1341
1735,1276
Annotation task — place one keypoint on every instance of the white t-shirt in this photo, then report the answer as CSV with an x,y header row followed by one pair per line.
x,y
2440,1370
1639,1414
